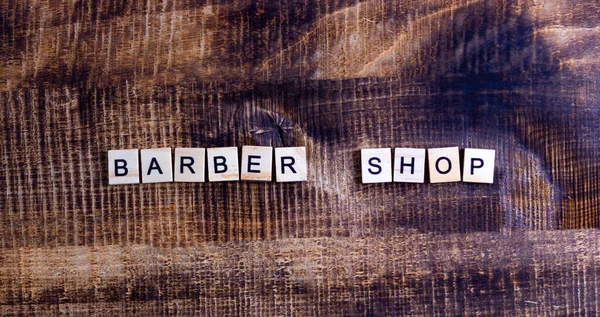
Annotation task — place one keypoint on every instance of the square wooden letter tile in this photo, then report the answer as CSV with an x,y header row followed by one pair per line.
x,y
123,167
157,165
223,164
291,164
444,165
257,163
190,164
376,165
479,166
409,165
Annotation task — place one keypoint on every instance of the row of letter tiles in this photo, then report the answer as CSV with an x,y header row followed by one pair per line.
x,y
190,164
444,165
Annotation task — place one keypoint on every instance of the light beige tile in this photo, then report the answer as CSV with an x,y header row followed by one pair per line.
x,y
479,166
157,165
409,165
190,164
376,165
444,165
223,164
291,164
123,167
257,163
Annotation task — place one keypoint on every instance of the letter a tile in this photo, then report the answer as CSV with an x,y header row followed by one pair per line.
x,y
157,166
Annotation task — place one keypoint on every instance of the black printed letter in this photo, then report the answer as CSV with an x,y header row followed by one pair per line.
x,y
154,166
412,165
375,165
283,164
437,165
188,165
250,163
473,166
121,164
220,161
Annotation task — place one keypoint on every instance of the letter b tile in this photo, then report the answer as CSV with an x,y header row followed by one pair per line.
x,y
223,164
123,167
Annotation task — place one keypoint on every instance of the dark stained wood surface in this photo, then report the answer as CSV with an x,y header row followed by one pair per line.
x,y
78,78
551,273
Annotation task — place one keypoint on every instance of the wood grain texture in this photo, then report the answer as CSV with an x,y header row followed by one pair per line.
x,y
535,273
78,78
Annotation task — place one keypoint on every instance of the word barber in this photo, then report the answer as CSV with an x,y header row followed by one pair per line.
x,y
191,165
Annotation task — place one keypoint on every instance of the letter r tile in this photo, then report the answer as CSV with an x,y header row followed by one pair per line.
x,y
291,164
190,164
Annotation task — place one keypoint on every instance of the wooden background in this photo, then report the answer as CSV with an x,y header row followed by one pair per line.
x,y
80,77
